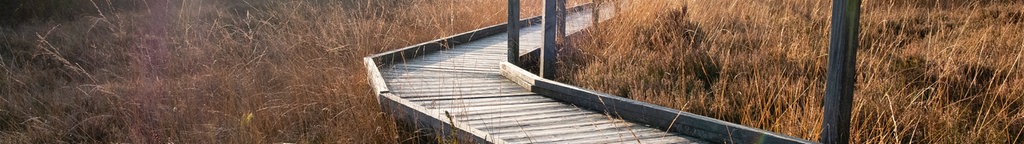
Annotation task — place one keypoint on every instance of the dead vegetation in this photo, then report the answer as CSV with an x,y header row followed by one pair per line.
x,y
928,71
201,71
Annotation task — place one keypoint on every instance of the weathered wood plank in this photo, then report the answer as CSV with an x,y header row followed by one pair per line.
x,y
403,54
374,76
467,96
661,117
442,125
510,111
441,80
517,75
517,114
507,133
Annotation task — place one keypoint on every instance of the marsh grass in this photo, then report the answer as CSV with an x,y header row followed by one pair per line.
x,y
928,71
200,71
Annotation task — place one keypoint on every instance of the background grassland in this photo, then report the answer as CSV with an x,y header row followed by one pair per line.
x,y
251,71
928,71
196,71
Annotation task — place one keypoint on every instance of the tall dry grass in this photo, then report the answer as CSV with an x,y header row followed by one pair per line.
x,y
928,71
200,71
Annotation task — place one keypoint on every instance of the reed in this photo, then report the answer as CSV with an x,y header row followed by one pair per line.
x,y
928,71
205,71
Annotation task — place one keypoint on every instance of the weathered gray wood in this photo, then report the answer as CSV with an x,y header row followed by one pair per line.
x,y
400,55
437,120
458,81
561,14
549,51
842,71
664,118
517,75
513,31
690,124
374,78
596,14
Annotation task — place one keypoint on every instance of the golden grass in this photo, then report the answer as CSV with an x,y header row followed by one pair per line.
x,y
928,71
200,71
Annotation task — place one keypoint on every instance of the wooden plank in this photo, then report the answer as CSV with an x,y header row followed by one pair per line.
x,y
420,85
489,112
412,67
444,81
400,55
467,96
532,122
414,70
435,120
623,133
506,133
657,116
464,90
518,75
425,87
475,105
375,79
517,114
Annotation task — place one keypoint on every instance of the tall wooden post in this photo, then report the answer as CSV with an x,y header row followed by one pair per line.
x,y
513,31
595,12
561,11
842,60
548,52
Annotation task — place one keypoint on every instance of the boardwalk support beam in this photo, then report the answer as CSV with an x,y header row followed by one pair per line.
x,y
513,31
552,27
842,58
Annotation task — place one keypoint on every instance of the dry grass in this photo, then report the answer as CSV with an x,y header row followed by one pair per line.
x,y
198,71
928,71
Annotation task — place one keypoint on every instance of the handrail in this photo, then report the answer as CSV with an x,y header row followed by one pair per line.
x,y
419,115
841,63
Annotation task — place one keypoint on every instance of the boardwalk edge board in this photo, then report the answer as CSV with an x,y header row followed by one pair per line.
x,y
399,55
375,79
403,109
435,120
672,120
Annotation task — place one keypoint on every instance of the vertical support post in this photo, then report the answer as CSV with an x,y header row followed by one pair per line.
x,y
561,10
842,60
513,31
547,58
595,13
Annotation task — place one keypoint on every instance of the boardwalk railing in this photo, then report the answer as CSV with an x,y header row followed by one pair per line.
x,y
417,115
643,114
670,120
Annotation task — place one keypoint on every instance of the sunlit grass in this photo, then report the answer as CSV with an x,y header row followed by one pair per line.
x,y
928,71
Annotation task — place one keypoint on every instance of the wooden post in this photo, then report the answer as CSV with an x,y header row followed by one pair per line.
x,y
842,60
595,12
561,10
513,31
547,58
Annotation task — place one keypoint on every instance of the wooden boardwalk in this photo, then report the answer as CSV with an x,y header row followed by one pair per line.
x,y
463,87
